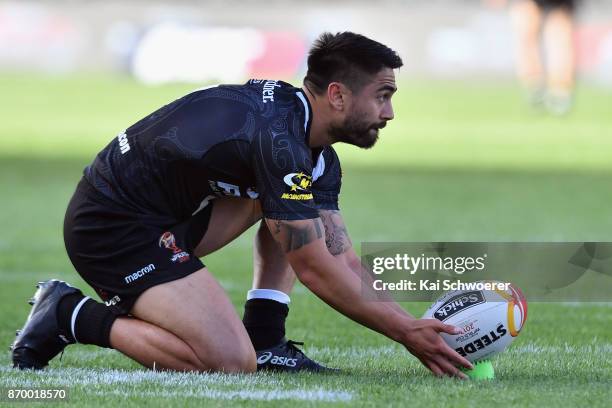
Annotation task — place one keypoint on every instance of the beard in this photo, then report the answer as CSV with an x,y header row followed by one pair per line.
x,y
357,131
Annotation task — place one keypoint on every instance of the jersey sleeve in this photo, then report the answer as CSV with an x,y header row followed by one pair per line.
x,y
283,171
327,176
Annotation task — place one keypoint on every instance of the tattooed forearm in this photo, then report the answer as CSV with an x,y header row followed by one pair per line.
x,y
293,235
336,236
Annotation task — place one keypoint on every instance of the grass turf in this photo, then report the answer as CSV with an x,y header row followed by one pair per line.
x,y
460,162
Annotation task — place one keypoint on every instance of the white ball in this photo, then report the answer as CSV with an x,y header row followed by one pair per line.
x,y
489,319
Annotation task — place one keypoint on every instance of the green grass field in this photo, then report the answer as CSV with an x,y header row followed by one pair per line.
x,y
460,162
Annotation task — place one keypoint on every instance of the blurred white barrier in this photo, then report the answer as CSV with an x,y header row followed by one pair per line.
x,y
173,52
229,41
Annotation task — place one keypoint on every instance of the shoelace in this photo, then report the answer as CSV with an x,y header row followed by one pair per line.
x,y
296,352
293,350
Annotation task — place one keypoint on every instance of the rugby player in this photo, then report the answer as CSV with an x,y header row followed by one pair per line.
x,y
546,52
194,175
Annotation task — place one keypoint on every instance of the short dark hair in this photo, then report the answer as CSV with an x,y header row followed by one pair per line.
x,y
348,58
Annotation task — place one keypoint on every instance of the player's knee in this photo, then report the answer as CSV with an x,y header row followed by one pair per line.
x,y
232,361
242,363
227,356
195,365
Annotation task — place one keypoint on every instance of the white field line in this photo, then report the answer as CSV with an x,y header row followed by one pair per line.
x,y
100,376
103,376
567,348
586,304
86,355
390,351
172,385
314,394
233,387
355,352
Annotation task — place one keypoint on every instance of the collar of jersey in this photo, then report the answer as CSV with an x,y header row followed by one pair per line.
x,y
307,114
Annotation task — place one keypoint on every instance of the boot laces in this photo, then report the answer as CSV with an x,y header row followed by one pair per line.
x,y
293,350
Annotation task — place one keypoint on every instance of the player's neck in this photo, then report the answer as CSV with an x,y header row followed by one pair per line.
x,y
319,136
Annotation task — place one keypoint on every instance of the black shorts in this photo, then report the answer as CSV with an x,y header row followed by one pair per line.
x,y
121,253
552,4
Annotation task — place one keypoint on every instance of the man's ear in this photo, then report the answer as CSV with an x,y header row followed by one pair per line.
x,y
337,95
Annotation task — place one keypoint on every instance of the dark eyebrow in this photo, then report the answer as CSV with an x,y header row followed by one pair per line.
x,y
387,88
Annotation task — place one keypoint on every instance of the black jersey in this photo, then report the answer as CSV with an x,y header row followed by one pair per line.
x,y
246,140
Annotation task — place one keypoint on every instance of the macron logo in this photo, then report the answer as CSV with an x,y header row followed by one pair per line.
x,y
139,274
123,142
268,90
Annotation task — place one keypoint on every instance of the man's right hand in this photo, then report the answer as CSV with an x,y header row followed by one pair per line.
x,y
423,340
303,242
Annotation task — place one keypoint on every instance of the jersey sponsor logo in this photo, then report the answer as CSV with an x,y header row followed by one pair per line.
x,y
299,186
227,189
124,145
299,197
298,181
268,90
139,273
458,303
223,188
168,241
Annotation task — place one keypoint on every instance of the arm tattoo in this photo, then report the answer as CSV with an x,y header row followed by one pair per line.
x,y
336,235
293,237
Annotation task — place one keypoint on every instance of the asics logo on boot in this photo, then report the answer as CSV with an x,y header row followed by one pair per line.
x,y
284,361
276,360
264,357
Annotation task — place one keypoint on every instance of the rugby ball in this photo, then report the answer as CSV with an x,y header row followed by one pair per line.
x,y
489,319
